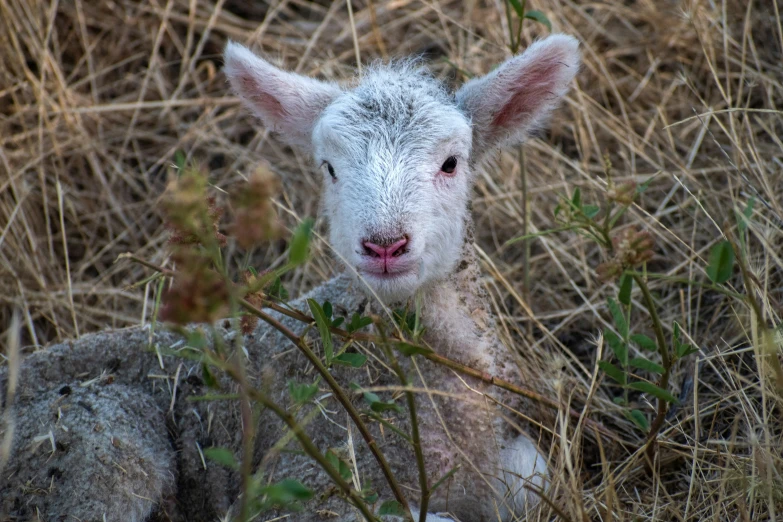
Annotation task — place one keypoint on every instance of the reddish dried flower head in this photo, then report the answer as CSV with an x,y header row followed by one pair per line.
x,y
248,322
633,247
255,219
199,294
193,217
624,194
609,270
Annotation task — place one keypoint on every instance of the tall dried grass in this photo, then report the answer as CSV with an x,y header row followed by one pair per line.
x,y
96,97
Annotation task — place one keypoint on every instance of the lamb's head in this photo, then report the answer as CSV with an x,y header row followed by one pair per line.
x,y
397,151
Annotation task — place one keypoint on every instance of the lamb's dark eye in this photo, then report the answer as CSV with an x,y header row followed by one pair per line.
x,y
329,169
449,165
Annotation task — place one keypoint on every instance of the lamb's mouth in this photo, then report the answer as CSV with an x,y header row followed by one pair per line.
x,y
387,275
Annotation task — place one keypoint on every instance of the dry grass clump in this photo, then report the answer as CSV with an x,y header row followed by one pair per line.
x,y
96,98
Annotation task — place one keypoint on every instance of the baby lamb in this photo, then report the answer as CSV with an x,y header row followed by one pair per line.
x,y
104,429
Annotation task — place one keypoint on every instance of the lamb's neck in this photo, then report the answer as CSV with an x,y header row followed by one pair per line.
x,y
458,317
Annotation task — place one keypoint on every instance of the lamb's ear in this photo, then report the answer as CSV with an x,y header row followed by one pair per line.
x,y
516,98
286,102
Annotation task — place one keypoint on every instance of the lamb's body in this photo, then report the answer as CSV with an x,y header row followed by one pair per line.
x,y
112,448
103,429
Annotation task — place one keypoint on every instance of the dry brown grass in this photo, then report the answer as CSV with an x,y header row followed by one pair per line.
x,y
96,97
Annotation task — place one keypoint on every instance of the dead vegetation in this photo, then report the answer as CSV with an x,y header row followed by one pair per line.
x,y
96,98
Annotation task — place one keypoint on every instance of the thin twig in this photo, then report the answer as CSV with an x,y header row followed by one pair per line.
x,y
339,394
415,437
663,349
312,451
458,367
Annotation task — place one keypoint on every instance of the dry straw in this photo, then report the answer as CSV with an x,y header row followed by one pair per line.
x,y
96,98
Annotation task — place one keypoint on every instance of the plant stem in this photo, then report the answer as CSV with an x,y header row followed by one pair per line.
x,y
689,282
339,394
456,366
313,451
510,23
416,439
525,223
248,436
663,350
145,263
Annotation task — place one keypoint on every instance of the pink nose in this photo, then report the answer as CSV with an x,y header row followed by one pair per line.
x,y
386,250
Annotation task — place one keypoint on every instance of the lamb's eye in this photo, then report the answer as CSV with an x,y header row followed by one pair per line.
x,y
449,165
329,169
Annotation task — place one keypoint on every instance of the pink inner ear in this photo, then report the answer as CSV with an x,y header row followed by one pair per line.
x,y
261,99
528,92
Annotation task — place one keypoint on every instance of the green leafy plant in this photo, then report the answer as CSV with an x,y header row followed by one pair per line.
x,y
519,8
628,250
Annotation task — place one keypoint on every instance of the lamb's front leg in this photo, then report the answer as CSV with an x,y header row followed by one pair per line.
x,y
496,468
463,424
522,468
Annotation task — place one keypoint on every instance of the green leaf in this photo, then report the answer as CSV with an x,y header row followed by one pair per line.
x,y
590,211
179,161
297,254
327,308
405,319
620,400
626,286
445,477
337,322
676,333
617,345
743,219
222,456
358,322
638,419
301,393
517,5
641,187
749,207
376,404
339,465
287,491
576,199
721,262
355,360
209,379
380,407
323,329
252,271
644,342
652,389
196,340
742,222
646,364
392,507
369,496
411,349
613,371
685,350
277,290
619,319
539,17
